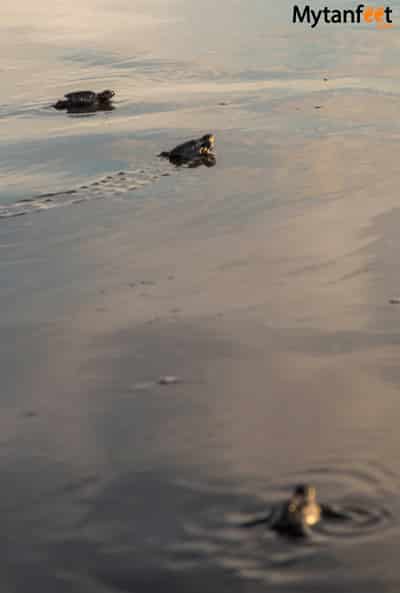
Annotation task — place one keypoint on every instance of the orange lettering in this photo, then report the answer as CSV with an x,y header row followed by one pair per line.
x,y
379,12
368,14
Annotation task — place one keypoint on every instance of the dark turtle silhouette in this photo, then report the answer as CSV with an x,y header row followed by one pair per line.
x,y
193,153
86,101
295,517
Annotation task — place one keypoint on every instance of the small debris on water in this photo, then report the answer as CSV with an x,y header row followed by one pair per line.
x,y
395,301
317,106
147,283
326,79
168,380
223,103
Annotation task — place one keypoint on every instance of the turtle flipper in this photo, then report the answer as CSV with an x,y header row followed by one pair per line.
x,y
62,104
333,513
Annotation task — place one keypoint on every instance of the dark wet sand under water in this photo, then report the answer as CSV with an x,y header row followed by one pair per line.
x,y
264,285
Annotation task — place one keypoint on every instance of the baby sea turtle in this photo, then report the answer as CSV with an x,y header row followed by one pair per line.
x,y
295,517
84,101
193,153
300,512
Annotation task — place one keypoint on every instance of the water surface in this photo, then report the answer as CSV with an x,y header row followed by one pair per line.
x,y
262,283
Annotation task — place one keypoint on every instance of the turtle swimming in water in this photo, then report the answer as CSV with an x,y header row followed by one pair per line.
x,y
299,513
295,517
193,153
86,101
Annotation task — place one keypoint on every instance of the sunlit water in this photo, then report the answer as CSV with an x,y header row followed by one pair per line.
x,y
263,283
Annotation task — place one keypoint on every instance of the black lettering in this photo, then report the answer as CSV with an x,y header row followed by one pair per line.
x,y
298,16
349,13
316,16
359,11
336,16
388,12
326,12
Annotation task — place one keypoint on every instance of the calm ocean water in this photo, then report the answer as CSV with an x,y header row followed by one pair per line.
x,y
166,61
263,283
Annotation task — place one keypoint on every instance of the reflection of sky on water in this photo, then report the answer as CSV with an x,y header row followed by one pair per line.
x,y
282,257
163,59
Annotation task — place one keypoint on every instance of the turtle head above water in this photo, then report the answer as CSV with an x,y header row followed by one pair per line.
x,y
303,505
106,95
207,142
305,493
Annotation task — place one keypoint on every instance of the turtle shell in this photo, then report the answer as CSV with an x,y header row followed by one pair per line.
x,y
186,150
81,98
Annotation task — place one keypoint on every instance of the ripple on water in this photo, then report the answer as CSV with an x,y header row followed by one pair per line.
x,y
363,494
111,186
